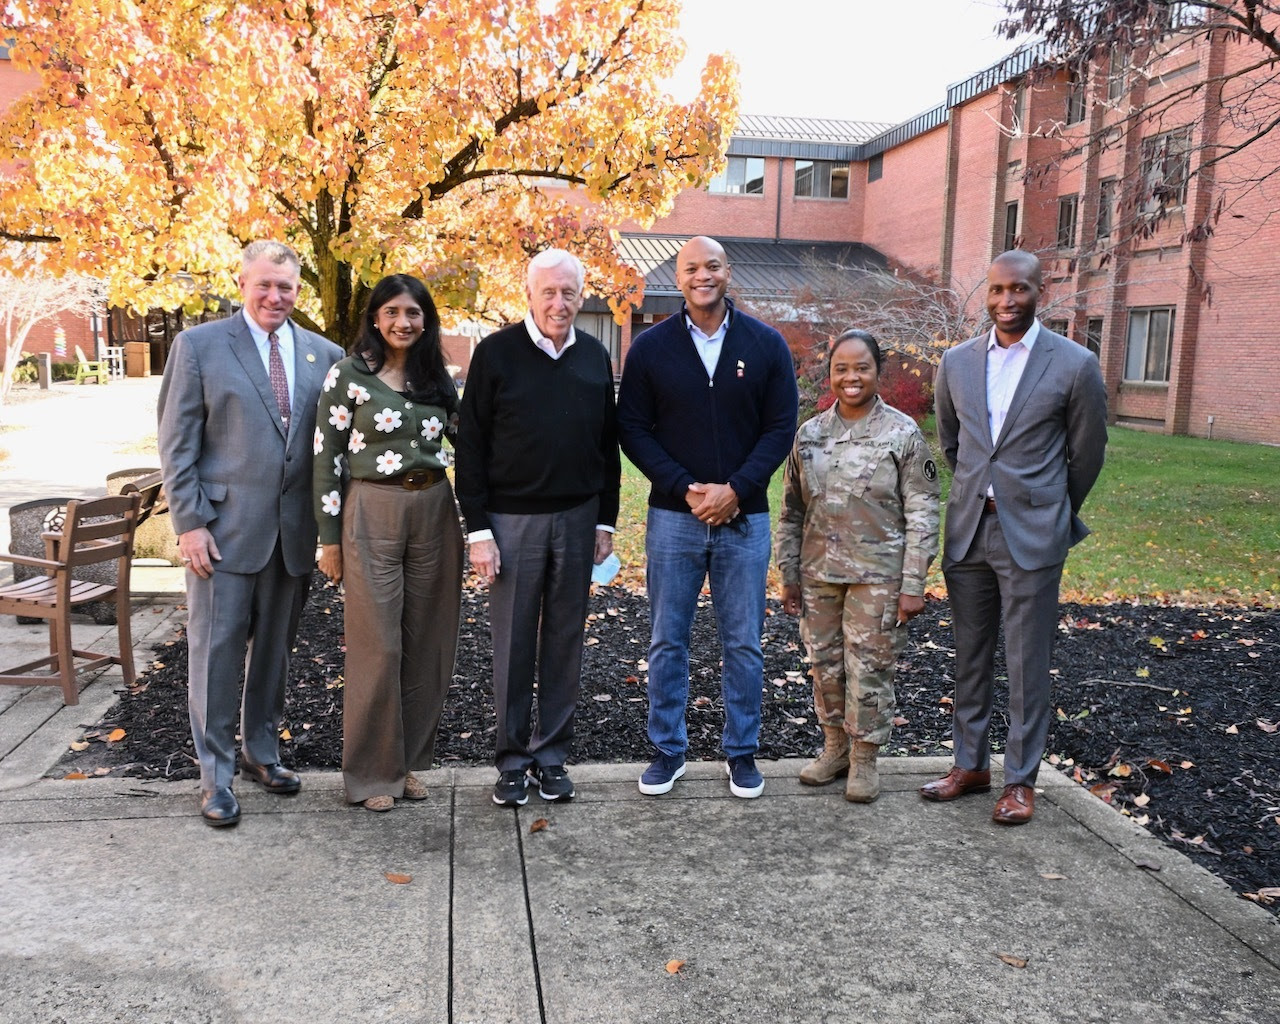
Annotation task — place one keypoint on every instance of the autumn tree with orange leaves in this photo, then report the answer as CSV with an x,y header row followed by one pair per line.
x,y
449,139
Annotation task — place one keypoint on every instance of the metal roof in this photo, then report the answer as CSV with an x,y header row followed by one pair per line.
x,y
762,268
807,129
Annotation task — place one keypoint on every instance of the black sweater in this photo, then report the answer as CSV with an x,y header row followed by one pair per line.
x,y
680,428
536,434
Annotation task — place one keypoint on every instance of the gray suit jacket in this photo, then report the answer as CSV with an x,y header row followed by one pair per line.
x,y
227,463
1044,462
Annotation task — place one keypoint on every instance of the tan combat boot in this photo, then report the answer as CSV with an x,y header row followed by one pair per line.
x,y
863,784
832,762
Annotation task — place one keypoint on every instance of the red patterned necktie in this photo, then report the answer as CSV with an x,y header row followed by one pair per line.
x,y
279,382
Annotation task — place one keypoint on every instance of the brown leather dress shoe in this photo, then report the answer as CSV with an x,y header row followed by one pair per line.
x,y
957,782
274,778
1016,805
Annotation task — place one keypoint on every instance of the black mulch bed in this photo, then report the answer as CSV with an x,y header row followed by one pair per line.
x,y
1169,713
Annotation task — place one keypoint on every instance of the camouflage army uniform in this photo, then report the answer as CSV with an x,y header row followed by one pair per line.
x,y
859,524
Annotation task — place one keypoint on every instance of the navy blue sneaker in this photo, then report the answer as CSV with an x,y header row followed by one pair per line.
x,y
511,789
553,782
745,779
660,776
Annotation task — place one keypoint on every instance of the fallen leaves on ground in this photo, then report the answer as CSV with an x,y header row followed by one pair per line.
x,y
673,966
540,825
397,877
1013,961
116,735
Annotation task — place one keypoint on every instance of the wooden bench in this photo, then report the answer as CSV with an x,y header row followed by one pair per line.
x,y
151,488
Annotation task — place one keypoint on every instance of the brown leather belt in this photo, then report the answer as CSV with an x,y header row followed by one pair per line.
x,y
989,507
414,480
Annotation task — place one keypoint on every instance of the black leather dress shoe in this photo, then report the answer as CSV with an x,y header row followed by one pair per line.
x,y
274,778
219,806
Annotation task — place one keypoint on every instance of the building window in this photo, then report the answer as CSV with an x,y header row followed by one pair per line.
x,y
875,167
822,179
1075,97
1013,170
1068,207
1018,113
1146,354
1057,326
1106,208
1093,336
742,175
1117,73
1010,226
1166,166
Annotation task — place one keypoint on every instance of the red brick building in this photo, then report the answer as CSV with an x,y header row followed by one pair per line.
x,y
1182,324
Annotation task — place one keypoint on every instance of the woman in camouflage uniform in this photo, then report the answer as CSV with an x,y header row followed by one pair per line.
x,y
857,531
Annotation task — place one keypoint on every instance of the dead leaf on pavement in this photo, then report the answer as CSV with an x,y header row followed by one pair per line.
x,y
540,825
1148,865
1050,877
398,878
1013,961
673,966
116,735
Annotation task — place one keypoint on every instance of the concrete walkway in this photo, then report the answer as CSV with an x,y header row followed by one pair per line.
x,y
118,904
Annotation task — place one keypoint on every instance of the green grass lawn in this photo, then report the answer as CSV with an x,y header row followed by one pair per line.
x,y
1174,518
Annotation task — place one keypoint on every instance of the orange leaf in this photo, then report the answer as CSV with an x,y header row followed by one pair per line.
x,y
285,734
75,775
1011,960
1159,766
1103,791
115,735
673,966
1121,771
540,825
397,878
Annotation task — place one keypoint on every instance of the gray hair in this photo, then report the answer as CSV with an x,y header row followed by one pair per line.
x,y
276,252
549,258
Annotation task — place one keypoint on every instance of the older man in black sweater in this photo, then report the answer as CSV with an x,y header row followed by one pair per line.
x,y
537,477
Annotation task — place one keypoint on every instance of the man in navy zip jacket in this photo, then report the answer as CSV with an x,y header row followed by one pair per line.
x,y
707,411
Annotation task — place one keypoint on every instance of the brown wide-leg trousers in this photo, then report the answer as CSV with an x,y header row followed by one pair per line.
x,y
402,570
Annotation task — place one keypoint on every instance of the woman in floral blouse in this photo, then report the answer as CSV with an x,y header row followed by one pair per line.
x,y
389,529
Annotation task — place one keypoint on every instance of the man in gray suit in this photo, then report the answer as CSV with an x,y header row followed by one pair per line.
x,y
237,413
1022,420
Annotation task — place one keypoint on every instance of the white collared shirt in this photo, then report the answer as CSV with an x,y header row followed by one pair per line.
x,y
708,345
284,338
1004,371
543,342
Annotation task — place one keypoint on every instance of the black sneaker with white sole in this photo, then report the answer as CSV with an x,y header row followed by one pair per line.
x,y
553,782
511,789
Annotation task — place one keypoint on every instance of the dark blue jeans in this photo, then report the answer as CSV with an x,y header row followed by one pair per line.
x,y
683,552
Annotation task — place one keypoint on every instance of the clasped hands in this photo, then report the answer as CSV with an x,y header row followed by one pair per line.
x,y
713,504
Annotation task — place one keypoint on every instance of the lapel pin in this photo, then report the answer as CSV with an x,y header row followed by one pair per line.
x,y
741,367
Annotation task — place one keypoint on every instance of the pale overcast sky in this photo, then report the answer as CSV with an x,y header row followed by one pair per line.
x,y
859,60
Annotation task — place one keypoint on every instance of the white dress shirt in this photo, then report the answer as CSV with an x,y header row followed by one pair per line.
x,y
284,338
543,342
1004,371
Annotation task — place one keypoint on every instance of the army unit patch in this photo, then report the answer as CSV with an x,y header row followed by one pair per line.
x,y
930,470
